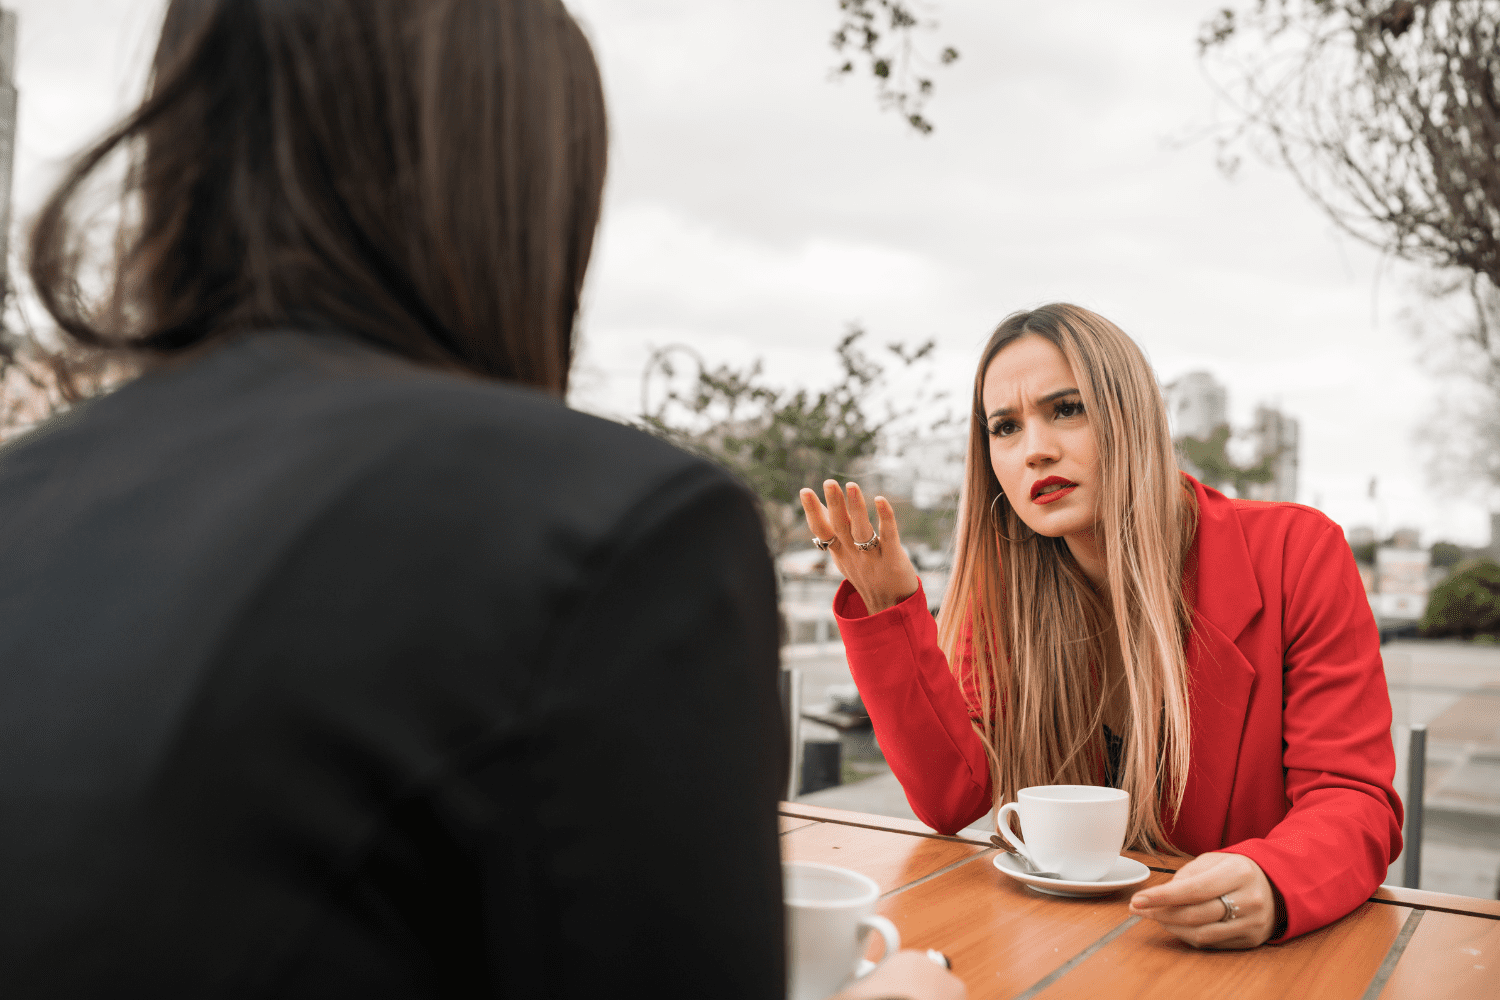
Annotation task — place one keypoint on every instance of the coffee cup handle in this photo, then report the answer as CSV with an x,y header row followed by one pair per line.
x,y
1002,827
887,930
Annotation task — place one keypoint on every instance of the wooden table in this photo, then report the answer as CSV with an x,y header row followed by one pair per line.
x,y
1007,941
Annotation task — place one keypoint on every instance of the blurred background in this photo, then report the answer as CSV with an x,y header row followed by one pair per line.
x,y
817,211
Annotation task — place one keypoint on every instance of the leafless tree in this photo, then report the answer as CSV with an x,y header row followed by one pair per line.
x,y
1459,328
1387,114
28,392
37,381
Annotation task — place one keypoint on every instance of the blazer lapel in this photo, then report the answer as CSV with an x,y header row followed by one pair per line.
x,y
1221,559
1221,587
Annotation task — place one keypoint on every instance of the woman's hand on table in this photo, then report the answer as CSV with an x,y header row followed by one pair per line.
x,y
1189,905
883,575
909,975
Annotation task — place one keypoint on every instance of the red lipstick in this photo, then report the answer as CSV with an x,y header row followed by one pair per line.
x,y
1068,486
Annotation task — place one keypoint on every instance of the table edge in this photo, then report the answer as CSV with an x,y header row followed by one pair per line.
x,y
1390,895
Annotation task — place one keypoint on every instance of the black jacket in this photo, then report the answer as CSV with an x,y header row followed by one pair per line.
x,y
325,675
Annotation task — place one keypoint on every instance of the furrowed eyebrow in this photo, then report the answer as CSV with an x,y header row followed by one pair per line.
x,y
1051,397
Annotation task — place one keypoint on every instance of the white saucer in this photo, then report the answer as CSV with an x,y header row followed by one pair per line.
x,y
1125,873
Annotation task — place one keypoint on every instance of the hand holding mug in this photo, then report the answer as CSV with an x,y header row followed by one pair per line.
x,y
875,565
830,915
910,975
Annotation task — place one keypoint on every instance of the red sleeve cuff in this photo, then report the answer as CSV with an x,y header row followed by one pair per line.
x,y
849,608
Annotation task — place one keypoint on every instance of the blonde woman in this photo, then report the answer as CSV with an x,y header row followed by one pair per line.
x,y
1110,620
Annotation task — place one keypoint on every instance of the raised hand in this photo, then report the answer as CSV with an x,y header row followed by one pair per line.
x,y
882,573
1190,906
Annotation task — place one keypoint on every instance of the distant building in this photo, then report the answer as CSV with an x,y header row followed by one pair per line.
x,y
1406,538
927,472
1401,582
1275,436
1197,405
1362,537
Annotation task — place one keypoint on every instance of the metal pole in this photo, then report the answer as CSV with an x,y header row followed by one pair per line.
x,y
1416,775
789,685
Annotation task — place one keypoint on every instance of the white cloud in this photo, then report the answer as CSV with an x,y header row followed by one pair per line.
x,y
755,208
654,261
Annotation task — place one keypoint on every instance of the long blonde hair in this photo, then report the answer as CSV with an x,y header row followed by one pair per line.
x,y
1035,630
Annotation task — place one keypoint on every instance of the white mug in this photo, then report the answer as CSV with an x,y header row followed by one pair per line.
x,y
1074,830
829,915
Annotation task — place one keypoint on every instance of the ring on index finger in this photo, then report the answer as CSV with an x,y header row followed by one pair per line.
x,y
867,546
824,545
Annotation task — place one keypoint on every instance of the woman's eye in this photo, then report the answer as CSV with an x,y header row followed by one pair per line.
x,y
1069,409
1003,428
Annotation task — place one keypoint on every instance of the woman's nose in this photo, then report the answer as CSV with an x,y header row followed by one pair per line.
x,y
1041,446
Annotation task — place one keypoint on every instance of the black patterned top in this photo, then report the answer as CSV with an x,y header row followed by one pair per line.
x,y
1113,747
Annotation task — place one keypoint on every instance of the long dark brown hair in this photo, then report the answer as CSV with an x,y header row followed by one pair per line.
x,y
423,176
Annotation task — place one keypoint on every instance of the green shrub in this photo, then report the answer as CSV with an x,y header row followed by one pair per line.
x,y
1446,554
1467,603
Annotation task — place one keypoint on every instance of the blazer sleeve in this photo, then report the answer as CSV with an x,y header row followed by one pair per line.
x,y
921,716
629,846
1343,826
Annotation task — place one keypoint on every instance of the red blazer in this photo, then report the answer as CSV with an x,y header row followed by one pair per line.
x,y
1291,745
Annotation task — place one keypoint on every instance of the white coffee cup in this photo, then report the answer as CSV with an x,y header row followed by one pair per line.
x,y
829,915
1074,830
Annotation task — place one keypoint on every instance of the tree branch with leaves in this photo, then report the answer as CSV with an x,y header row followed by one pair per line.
x,y
778,440
879,34
1212,465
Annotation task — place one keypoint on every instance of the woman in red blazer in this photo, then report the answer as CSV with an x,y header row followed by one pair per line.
x,y
1215,657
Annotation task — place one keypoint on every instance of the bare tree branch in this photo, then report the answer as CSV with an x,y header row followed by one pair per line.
x,y
1386,114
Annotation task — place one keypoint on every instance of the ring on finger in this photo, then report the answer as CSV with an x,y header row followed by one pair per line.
x,y
823,545
1231,909
867,546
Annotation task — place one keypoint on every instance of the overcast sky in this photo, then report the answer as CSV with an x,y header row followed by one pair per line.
x,y
755,209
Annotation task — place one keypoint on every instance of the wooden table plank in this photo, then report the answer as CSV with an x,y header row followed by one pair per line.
x,y
1007,941
1001,936
1335,963
1449,956
848,817
1421,899
893,860
790,823
1416,898
895,824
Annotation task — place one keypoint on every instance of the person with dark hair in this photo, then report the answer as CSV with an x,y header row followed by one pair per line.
x,y
340,657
